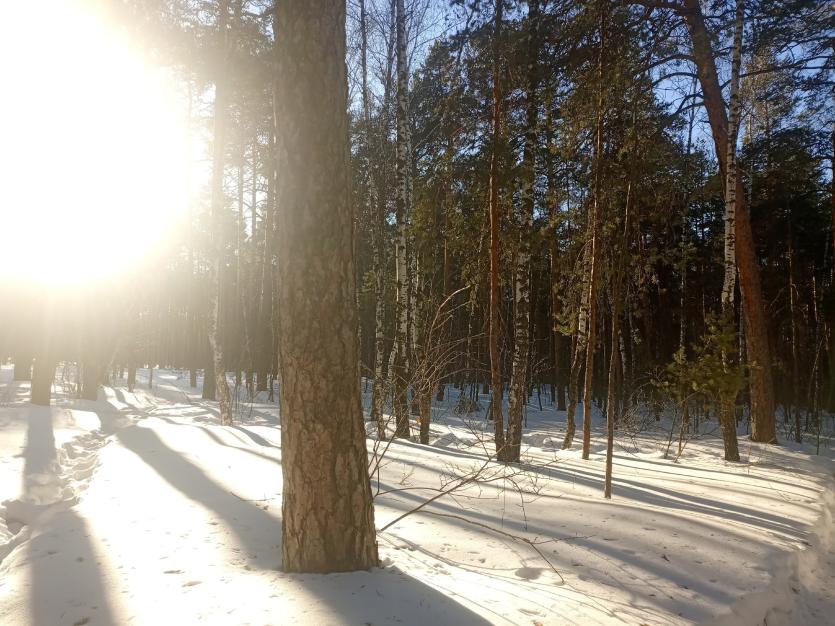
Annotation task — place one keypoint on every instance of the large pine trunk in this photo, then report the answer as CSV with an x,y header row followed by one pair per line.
x,y
756,324
328,517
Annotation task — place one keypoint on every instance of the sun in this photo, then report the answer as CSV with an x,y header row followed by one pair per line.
x,y
95,148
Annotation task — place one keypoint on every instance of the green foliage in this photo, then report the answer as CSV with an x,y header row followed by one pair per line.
x,y
712,371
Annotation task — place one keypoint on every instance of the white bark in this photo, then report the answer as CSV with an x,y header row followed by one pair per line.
x,y
729,284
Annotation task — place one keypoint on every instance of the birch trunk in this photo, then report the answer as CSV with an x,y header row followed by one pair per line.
x,y
518,390
401,366
756,324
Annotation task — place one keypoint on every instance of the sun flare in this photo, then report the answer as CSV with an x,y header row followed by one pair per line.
x,y
95,148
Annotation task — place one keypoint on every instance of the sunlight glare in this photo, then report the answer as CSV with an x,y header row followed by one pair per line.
x,y
94,148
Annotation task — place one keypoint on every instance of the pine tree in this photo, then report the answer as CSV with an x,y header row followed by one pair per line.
x,y
327,511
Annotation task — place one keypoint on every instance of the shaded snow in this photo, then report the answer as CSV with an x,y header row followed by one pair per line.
x,y
144,510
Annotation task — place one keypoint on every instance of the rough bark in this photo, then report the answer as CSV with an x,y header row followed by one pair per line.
x,y
756,324
328,517
728,424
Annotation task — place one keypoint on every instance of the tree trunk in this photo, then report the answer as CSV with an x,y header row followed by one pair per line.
x,y
495,313
209,380
43,374
518,391
756,324
327,511
401,366
22,367
376,209
728,423
580,342
217,243
91,377
595,243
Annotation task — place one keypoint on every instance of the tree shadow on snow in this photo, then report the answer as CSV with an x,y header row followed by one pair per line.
x,y
379,595
66,578
39,455
257,530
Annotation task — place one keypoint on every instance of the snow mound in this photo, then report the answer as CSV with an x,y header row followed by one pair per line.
x,y
802,590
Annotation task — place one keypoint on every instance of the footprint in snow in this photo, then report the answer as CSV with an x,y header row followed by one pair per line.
x,y
528,573
529,611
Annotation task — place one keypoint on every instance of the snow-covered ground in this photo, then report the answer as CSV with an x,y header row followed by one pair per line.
x,y
140,509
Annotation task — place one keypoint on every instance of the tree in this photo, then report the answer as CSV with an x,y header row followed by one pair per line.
x,y
756,324
518,391
215,340
403,144
328,517
495,314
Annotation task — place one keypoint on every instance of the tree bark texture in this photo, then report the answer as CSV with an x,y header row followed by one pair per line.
x,y
518,391
328,517
495,312
756,325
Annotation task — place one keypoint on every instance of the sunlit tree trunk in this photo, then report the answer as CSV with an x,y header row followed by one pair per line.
x,y
43,373
518,390
217,245
756,324
327,512
376,210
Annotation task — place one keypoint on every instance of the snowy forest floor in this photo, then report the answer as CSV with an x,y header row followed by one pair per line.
x,y
139,508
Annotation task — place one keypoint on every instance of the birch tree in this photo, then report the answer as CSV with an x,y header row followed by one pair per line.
x,y
518,390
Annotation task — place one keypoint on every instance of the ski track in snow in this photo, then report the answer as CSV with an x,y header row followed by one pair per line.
x,y
140,509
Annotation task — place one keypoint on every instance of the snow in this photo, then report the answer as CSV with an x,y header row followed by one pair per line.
x,y
140,508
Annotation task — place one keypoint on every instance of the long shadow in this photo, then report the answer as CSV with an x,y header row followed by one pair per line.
x,y
218,440
39,455
654,494
256,438
385,596
354,597
67,586
721,474
257,530
613,553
